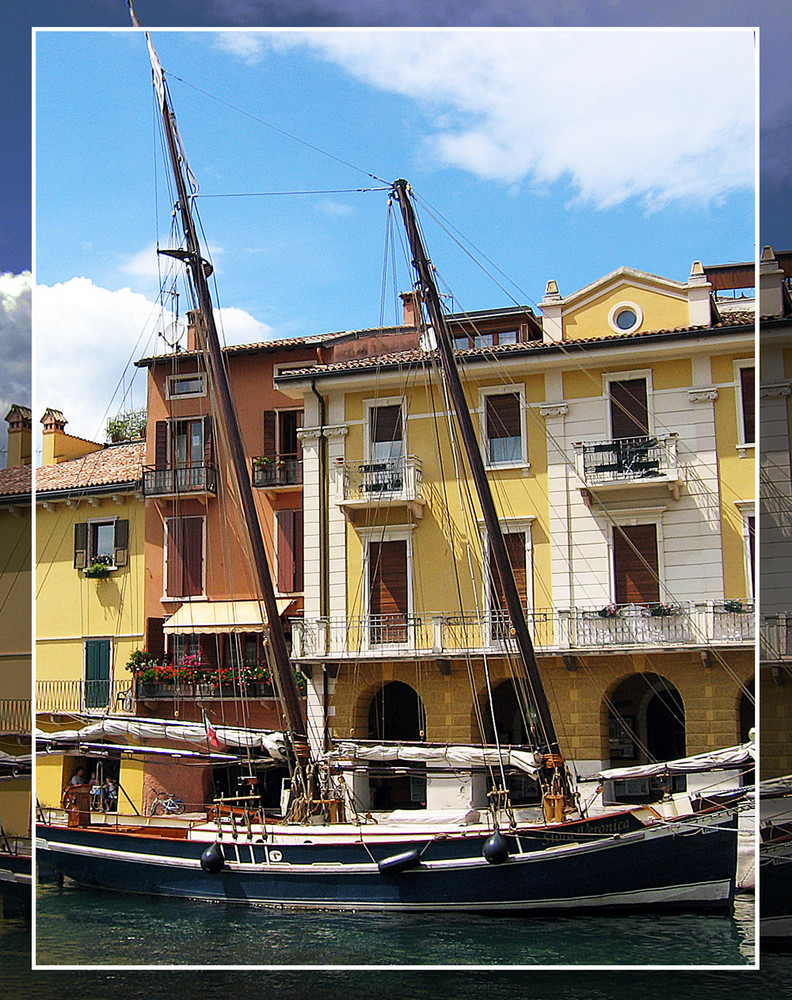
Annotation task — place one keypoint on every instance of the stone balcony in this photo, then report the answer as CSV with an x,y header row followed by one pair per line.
x,y
636,461
371,485
612,628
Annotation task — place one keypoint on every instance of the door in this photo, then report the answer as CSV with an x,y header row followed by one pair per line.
x,y
97,673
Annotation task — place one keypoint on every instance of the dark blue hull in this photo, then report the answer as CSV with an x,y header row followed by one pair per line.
x,y
15,883
775,893
687,866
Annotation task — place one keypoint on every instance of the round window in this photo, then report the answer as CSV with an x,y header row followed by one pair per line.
x,y
626,319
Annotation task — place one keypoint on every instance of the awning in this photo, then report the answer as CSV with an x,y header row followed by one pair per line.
x,y
717,760
220,616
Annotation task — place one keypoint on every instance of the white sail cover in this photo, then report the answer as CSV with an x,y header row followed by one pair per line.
x,y
173,730
718,760
457,756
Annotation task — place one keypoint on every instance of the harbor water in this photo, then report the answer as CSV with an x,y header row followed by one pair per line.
x,y
77,926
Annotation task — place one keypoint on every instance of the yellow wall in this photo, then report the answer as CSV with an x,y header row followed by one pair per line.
x,y
78,607
661,311
15,604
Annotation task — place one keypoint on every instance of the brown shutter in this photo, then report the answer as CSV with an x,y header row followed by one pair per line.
x,y
388,578
161,445
298,549
629,408
635,564
185,556
515,549
121,543
81,545
503,415
270,418
208,444
286,550
747,390
175,544
155,637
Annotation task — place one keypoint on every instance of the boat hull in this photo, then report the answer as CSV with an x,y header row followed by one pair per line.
x,y
15,883
775,925
679,866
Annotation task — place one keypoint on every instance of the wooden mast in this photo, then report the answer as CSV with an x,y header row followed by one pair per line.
x,y
199,269
500,557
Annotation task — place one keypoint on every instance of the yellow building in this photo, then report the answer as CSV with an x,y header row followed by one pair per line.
x,y
15,628
617,429
89,594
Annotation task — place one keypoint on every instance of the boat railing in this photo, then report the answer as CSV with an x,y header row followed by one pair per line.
x,y
15,715
178,480
552,630
84,695
627,459
378,482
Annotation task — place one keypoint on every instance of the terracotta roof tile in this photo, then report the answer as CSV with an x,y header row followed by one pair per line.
x,y
118,463
15,481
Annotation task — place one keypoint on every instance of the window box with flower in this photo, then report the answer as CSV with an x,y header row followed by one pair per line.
x,y
101,567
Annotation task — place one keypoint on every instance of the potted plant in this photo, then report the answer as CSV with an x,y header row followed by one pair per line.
x,y
99,568
610,611
733,605
662,610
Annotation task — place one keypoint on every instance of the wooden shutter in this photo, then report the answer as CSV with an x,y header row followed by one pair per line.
x,y
270,423
515,548
208,443
161,445
81,545
747,389
635,564
503,415
298,549
155,637
388,578
97,673
121,543
286,550
185,557
629,408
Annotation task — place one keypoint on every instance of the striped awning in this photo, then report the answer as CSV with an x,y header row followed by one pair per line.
x,y
203,617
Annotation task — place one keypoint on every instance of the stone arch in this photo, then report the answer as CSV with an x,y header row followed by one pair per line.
x,y
746,709
645,716
510,719
396,712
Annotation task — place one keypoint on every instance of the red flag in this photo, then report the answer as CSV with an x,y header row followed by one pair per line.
x,y
211,735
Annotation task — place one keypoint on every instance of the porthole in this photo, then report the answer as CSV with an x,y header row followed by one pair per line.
x,y
625,317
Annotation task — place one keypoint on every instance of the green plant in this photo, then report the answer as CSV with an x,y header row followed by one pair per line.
x,y
733,605
126,425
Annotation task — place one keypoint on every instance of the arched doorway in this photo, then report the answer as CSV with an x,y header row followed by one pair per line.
x,y
747,710
396,713
646,723
513,720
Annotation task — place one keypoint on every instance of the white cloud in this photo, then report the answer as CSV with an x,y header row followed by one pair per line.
x,y
86,340
248,46
654,115
14,345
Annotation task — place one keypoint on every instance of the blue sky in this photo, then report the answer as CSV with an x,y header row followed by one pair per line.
x,y
558,154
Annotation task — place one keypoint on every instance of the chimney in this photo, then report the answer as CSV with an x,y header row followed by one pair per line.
x,y
412,309
58,446
194,320
20,436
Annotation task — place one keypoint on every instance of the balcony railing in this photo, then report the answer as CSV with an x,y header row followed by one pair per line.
x,y
552,631
371,483
187,480
15,715
628,460
285,470
84,696
775,636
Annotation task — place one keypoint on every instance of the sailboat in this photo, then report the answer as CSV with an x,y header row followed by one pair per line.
x,y
324,852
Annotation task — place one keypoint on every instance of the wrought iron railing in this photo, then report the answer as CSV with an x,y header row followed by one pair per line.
x,y
84,696
627,459
608,627
376,482
285,470
179,480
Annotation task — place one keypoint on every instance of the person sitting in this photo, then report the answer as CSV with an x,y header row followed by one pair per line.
x,y
109,796
78,778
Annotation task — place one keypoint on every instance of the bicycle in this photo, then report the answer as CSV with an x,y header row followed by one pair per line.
x,y
167,803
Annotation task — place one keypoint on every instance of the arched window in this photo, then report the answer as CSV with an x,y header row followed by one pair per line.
x,y
397,713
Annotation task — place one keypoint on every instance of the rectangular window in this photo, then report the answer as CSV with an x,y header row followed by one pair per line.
x,y
388,591
386,433
289,554
747,389
184,556
503,428
186,385
103,541
629,408
280,434
516,550
636,564
97,673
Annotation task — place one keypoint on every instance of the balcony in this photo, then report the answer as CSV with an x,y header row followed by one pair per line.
x,y
15,715
775,637
278,473
629,462
84,696
625,627
193,480
392,482
180,691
